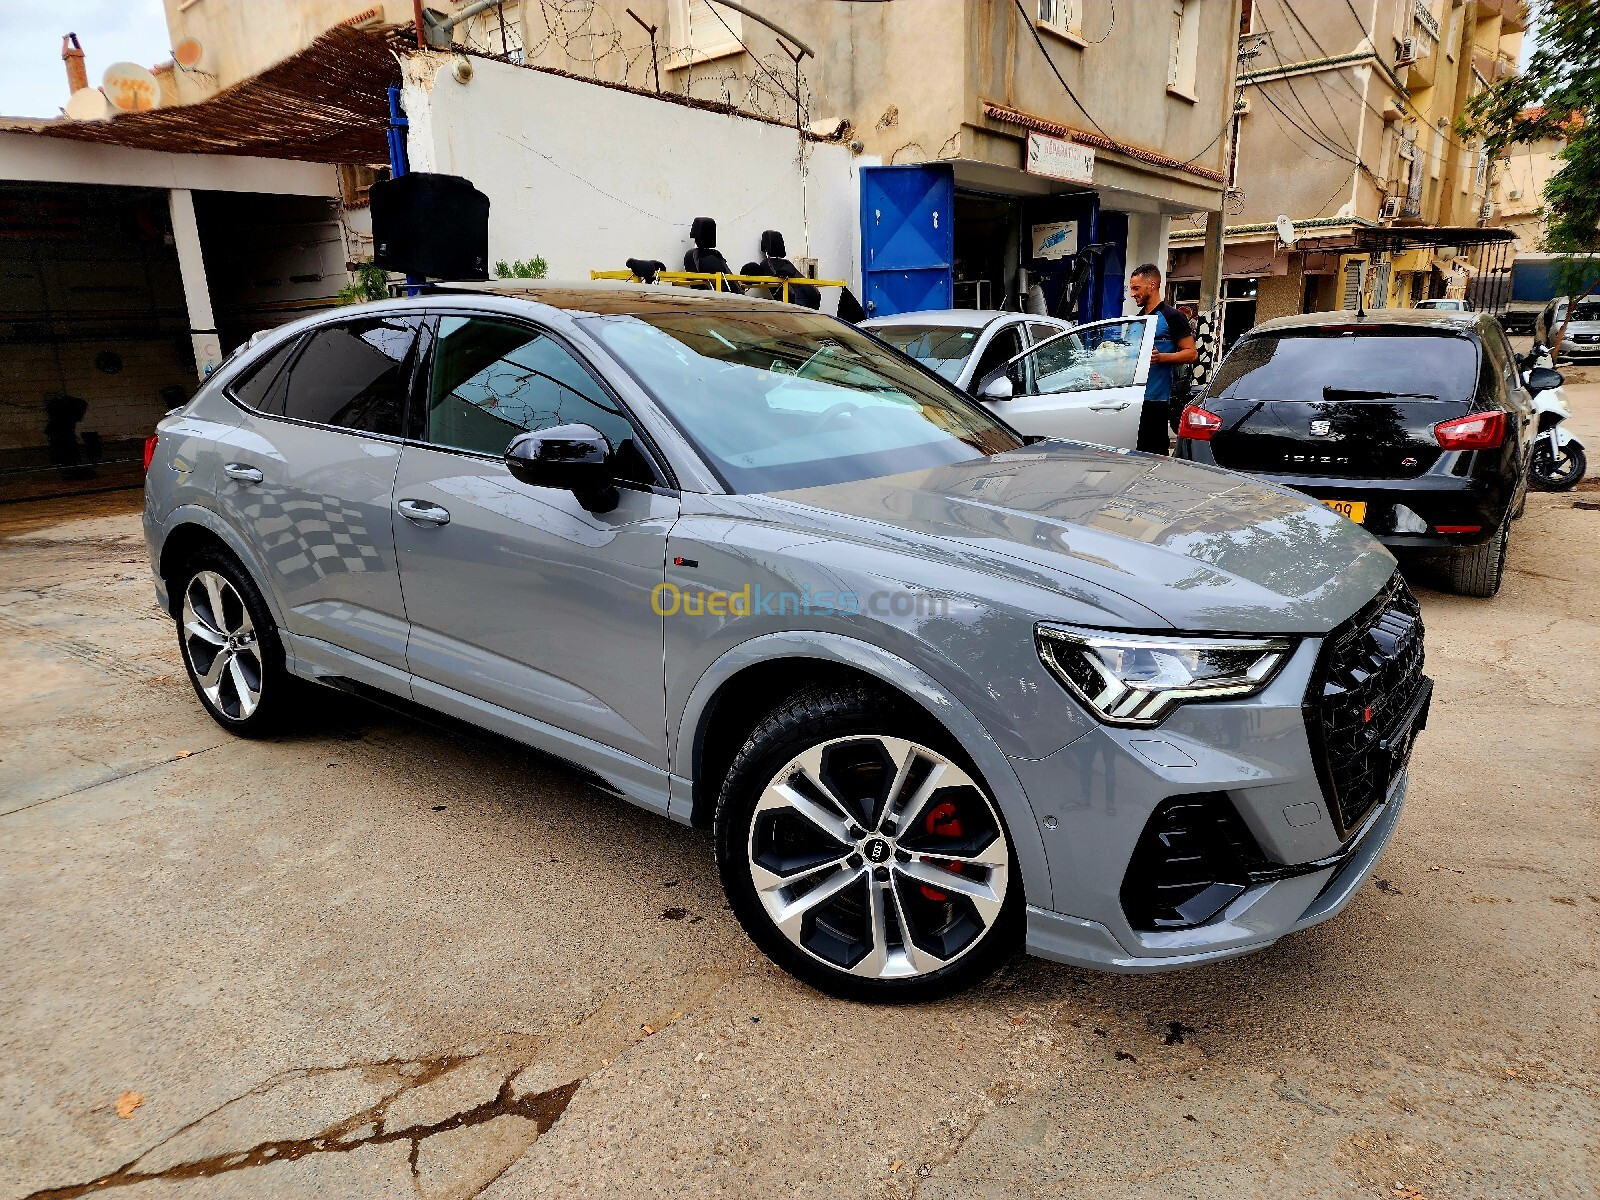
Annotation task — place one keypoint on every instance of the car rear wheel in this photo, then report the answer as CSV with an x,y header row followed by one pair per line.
x,y
230,646
1480,570
861,852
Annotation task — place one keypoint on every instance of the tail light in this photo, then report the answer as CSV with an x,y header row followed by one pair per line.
x,y
149,451
1198,423
1475,431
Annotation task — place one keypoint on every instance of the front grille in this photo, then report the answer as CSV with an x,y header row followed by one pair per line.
x,y
1362,694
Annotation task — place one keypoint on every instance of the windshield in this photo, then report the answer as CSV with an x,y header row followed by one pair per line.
x,y
779,400
1589,311
1324,365
941,348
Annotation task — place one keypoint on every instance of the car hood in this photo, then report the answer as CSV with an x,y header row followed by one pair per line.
x,y
1195,547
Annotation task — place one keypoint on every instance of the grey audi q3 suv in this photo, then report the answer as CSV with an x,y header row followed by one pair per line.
x,y
939,689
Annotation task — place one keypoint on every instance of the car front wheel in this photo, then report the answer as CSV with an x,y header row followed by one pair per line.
x,y
862,854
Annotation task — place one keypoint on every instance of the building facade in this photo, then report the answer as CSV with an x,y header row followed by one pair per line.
x,y
953,95
990,113
1346,124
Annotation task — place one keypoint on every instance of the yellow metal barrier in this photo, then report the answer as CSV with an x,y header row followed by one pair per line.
x,y
685,278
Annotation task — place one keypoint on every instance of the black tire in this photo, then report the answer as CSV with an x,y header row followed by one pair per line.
x,y
1551,475
260,656
818,717
1480,570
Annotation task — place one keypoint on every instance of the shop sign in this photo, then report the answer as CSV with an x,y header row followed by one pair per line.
x,y
1055,239
1057,158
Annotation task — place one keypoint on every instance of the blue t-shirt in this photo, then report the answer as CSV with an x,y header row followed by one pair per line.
x,y
1171,328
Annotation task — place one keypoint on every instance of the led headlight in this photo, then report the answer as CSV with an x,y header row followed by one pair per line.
x,y
1137,679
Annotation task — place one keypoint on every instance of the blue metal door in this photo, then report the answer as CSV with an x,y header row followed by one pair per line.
x,y
907,238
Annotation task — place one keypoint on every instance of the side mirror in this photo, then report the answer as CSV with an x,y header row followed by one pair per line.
x,y
1543,379
996,387
574,458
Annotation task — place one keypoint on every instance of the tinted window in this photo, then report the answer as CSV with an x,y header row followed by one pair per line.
x,y
1587,311
1301,366
255,384
941,348
1002,348
492,380
777,400
354,375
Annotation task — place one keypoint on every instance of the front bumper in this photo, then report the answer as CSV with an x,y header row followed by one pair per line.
x,y
1252,922
1254,767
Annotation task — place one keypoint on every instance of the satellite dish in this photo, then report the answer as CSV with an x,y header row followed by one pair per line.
x,y
88,104
131,88
1285,230
188,53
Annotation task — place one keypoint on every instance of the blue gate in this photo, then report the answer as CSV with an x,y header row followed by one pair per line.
x,y
907,238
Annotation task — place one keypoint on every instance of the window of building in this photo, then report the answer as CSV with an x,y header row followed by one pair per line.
x,y
354,375
492,380
702,30
1437,152
1183,48
1063,16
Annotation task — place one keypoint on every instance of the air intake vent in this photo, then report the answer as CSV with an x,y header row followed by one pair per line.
x,y
1193,859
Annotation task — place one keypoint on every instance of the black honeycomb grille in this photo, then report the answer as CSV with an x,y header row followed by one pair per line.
x,y
1363,693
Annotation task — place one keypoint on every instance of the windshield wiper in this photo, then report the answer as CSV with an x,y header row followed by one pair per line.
x,y
1333,393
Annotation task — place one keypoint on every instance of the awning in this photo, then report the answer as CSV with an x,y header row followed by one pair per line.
x,y
327,104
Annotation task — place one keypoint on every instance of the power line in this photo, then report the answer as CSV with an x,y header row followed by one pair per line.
x,y
1115,145
1060,78
1301,102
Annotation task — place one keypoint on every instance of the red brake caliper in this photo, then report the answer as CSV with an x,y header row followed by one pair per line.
x,y
941,821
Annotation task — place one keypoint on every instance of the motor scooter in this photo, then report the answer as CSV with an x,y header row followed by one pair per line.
x,y
1558,462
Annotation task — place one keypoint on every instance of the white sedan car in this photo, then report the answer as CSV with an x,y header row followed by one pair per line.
x,y
1041,375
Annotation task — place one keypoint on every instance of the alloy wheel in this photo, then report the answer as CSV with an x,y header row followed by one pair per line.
x,y
879,857
220,643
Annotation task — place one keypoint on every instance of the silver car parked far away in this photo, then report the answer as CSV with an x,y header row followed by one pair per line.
x,y
939,689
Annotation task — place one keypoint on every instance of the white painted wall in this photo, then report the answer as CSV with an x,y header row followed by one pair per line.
x,y
590,176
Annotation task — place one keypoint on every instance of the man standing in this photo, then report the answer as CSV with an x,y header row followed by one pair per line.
x,y
1174,345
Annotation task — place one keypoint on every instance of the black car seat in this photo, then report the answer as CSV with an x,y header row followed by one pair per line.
x,y
774,263
704,255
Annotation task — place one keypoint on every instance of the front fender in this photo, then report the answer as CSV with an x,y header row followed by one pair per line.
x,y
903,677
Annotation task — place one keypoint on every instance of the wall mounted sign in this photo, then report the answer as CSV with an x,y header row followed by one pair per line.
x,y
1055,239
1057,158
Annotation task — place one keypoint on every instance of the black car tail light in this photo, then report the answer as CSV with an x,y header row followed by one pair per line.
x,y
1193,859
1198,424
1475,431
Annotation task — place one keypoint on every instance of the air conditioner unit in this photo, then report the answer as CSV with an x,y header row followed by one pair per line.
x,y
1408,52
1391,208
1514,194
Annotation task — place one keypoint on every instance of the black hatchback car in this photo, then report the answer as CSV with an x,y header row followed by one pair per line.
x,y
1414,424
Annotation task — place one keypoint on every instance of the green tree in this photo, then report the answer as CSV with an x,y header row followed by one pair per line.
x,y
1557,96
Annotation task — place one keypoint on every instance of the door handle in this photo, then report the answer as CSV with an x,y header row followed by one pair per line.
x,y
242,472
422,511
1117,407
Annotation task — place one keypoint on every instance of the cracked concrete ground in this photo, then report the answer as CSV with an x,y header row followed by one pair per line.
x,y
378,958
